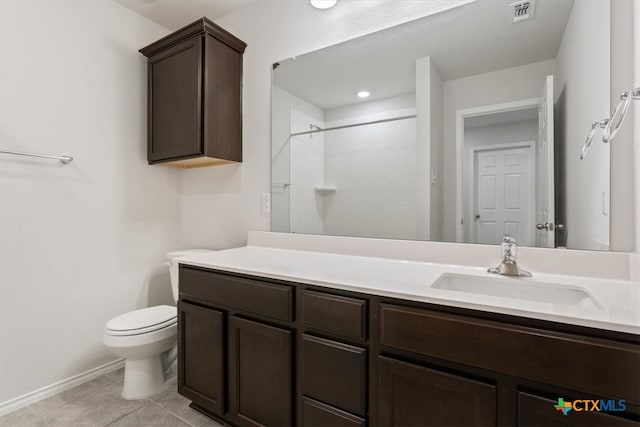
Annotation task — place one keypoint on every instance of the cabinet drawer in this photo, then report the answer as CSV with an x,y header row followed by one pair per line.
x,y
246,295
593,365
411,395
335,314
334,373
316,414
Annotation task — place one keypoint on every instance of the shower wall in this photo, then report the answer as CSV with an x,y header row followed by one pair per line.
x,y
307,174
373,168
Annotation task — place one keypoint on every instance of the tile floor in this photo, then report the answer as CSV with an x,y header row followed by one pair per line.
x,y
98,403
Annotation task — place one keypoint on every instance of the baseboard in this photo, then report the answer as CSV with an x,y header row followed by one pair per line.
x,y
58,387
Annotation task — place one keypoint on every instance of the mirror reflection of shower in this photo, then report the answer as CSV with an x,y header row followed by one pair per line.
x,y
419,177
349,169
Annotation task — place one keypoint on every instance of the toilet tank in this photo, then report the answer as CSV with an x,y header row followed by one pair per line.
x,y
172,262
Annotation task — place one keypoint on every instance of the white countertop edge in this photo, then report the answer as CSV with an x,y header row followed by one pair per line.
x,y
541,311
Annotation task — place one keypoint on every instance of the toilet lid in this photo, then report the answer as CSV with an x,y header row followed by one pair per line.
x,y
143,320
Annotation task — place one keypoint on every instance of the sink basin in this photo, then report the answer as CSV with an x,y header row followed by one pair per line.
x,y
518,288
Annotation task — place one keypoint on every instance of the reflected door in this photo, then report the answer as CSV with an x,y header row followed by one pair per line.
x,y
502,203
545,207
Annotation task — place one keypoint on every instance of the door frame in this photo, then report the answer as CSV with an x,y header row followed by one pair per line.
x,y
461,115
531,144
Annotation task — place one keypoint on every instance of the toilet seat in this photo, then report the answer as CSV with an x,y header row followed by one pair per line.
x,y
142,321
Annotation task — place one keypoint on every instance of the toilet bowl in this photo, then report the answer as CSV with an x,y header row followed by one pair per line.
x,y
142,337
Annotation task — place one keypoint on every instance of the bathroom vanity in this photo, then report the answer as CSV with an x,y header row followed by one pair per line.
x,y
281,337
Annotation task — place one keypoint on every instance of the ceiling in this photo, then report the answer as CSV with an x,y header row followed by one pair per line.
x,y
471,39
174,14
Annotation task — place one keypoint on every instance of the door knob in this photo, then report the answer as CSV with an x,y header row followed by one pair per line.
x,y
548,226
477,216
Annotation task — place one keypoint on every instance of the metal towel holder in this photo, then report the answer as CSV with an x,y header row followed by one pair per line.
x,y
612,125
65,160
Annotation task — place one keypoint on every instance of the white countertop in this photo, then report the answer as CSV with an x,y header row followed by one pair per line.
x,y
411,280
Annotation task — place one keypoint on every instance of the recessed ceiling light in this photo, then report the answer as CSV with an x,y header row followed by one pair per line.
x,y
323,4
363,94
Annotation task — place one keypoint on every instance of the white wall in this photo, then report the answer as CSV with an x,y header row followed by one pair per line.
x,y
423,147
636,129
374,170
84,242
581,99
496,87
623,51
436,144
218,205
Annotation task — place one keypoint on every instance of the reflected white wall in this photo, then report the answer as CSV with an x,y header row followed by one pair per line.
x,y
582,99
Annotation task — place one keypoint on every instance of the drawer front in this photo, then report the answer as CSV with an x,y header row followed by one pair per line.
x,y
316,414
246,295
412,395
335,314
335,373
598,366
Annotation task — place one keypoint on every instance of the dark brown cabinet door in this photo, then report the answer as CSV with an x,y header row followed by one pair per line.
x,y
535,411
260,374
175,99
410,395
200,356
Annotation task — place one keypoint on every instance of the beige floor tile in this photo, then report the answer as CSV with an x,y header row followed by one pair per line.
x,y
179,405
117,375
150,415
95,403
21,418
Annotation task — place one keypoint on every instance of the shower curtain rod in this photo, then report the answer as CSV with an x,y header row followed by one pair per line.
x,y
393,119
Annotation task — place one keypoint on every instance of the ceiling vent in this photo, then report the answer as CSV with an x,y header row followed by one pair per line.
x,y
522,10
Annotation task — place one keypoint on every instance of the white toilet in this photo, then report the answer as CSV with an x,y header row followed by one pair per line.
x,y
142,337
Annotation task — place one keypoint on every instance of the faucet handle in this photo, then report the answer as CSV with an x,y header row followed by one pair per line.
x,y
508,239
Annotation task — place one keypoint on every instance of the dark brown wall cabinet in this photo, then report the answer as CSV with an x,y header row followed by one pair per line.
x,y
264,352
195,97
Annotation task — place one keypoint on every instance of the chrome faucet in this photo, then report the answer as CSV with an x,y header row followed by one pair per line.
x,y
508,266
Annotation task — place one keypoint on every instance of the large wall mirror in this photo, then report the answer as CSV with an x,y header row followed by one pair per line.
x,y
461,126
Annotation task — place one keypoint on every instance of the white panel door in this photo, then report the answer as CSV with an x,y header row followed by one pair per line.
x,y
502,195
545,193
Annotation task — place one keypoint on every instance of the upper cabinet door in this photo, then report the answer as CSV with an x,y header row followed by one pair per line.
x,y
175,102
